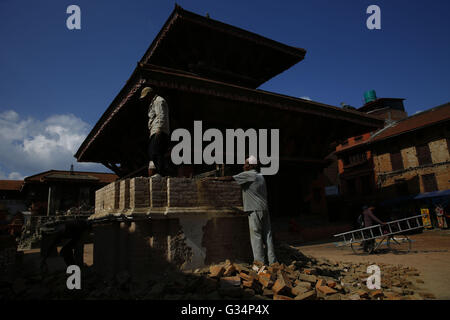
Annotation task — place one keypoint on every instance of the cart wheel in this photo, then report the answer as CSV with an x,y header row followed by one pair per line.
x,y
358,248
399,243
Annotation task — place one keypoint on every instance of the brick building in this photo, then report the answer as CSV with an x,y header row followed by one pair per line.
x,y
412,156
355,165
53,191
407,157
10,189
11,205
355,161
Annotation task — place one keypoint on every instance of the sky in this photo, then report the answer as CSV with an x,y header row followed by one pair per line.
x,y
55,83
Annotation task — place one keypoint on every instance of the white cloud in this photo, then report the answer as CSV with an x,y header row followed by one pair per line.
x,y
29,146
15,176
11,176
305,98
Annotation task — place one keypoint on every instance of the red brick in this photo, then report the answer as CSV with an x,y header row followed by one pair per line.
x,y
320,283
263,269
306,296
267,292
331,283
253,274
325,290
362,293
391,296
242,269
249,284
229,270
309,271
284,275
298,290
304,284
281,297
265,279
259,264
246,277
376,294
216,271
282,284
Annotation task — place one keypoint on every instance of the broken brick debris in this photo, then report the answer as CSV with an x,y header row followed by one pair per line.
x,y
295,277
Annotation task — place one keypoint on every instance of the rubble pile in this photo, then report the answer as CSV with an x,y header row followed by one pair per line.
x,y
295,277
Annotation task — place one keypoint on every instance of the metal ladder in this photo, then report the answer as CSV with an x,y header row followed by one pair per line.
x,y
373,232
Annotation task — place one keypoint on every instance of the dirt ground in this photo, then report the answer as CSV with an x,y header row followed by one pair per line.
x,y
430,254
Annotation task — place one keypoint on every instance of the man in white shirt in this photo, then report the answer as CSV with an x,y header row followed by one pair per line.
x,y
158,126
254,197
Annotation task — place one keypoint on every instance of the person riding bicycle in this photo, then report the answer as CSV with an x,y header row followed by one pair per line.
x,y
369,220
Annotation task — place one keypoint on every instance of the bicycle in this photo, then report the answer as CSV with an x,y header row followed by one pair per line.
x,y
397,243
393,233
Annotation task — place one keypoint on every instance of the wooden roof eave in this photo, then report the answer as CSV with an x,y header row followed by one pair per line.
x,y
180,13
183,81
132,85
173,79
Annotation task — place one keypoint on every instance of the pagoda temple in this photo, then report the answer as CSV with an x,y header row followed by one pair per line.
x,y
210,71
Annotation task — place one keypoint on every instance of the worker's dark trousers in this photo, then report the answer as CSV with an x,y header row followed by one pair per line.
x,y
72,251
157,149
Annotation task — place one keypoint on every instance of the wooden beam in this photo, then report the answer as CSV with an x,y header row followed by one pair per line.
x,y
113,168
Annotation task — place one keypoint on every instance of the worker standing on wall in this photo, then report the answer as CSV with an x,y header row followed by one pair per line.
x,y
254,196
158,126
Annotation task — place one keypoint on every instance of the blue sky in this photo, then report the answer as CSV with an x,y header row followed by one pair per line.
x,y
55,83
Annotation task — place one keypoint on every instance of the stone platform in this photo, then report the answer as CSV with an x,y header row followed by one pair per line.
x,y
145,224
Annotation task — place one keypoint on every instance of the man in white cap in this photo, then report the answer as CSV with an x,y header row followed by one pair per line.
x,y
158,126
254,196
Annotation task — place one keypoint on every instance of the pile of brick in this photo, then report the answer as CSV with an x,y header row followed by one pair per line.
x,y
318,280
295,277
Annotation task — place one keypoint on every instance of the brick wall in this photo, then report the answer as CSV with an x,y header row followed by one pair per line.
x,y
409,157
185,192
442,173
181,192
124,195
107,198
219,193
439,151
139,193
99,201
158,192
382,163
184,239
412,171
